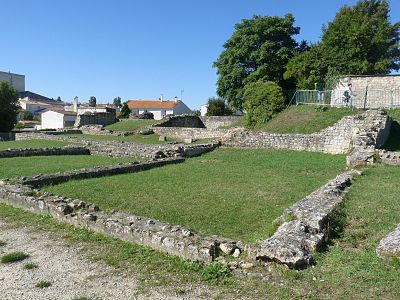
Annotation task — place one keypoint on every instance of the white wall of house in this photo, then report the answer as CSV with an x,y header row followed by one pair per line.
x,y
55,120
158,113
203,109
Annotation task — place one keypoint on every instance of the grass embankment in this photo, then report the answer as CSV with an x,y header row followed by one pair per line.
x,y
230,192
393,142
348,269
33,144
301,119
28,166
306,119
131,125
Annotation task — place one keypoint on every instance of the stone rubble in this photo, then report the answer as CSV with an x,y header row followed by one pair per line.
x,y
389,246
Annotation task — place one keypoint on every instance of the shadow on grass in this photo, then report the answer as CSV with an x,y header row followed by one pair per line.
x,y
393,141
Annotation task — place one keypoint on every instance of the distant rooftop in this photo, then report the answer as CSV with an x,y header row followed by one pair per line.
x,y
153,103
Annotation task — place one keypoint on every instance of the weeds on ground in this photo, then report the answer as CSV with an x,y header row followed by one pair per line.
x,y
30,266
13,257
43,284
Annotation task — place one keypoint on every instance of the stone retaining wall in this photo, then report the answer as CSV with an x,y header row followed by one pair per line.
x,y
190,133
389,246
174,240
305,225
213,122
187,121
337,139
56,178
68,150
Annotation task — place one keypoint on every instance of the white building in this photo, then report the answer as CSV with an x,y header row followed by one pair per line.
x,y
203,110
159,108
57,119
17,81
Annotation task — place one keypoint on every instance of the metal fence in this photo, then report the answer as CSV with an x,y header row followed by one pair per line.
x,y
359,98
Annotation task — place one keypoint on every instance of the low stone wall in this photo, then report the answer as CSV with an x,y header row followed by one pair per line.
x,y
190,133
337,139
389,246
174,240
187,121
99,130
56,178
98,118
214,122
126,149
389,157
305,225
68,150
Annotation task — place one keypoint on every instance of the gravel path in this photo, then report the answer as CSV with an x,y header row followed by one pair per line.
x,y
71,274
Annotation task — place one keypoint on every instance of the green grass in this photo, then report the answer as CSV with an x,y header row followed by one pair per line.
x,y
393,142
131,125
30,266
350,267
43,284
233,193
306,119
13,257
28,166
33,144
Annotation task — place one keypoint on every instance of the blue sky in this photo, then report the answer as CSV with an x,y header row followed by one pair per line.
x,y
136,49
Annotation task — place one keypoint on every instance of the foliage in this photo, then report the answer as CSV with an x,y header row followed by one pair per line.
x,y
36,118
30,266
360,40
259,49
217,107
19,125
117,102
262,101
43,284
196,112
8,107
13,257
125,111
28,116
215,272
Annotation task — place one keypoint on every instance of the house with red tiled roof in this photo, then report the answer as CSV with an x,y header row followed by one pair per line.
x,y
159,108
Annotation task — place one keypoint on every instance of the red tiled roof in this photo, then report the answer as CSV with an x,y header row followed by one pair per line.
x,y
152,104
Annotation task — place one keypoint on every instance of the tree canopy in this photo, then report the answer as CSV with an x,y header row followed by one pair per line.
x,y
360,40
125,111
8,107
117,102
259,49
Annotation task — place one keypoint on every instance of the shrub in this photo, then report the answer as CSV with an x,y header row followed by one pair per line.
x,y
217,107
30,266
28,116
8,107
20,125
125,111
13,257
43,284
215,272
263,99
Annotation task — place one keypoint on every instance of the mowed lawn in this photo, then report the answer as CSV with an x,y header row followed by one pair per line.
x,y
350,268
234,193
28,166
33,144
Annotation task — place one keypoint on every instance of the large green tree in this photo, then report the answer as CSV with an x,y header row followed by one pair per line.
x,y
259,49
8,107
360,40
217,107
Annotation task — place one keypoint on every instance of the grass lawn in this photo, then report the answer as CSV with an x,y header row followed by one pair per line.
x,y
233,193
393,142
33,144
131,125
351,269
28,166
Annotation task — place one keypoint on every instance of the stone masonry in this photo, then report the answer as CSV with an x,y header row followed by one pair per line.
x,y
67,150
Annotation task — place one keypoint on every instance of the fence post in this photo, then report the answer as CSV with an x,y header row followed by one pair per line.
x,y
365,97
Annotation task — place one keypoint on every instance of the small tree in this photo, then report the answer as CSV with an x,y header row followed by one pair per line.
x,y
263,99
8,107
217,107
117,102
28,116
125,111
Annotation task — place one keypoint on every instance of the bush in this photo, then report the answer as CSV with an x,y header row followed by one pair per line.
x,y
8,107
13,257
217,107
125,111
263,99
20,125
28,116
215,272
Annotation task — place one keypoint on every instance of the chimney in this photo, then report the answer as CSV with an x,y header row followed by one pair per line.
x,y
76,104
176,99
162,98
